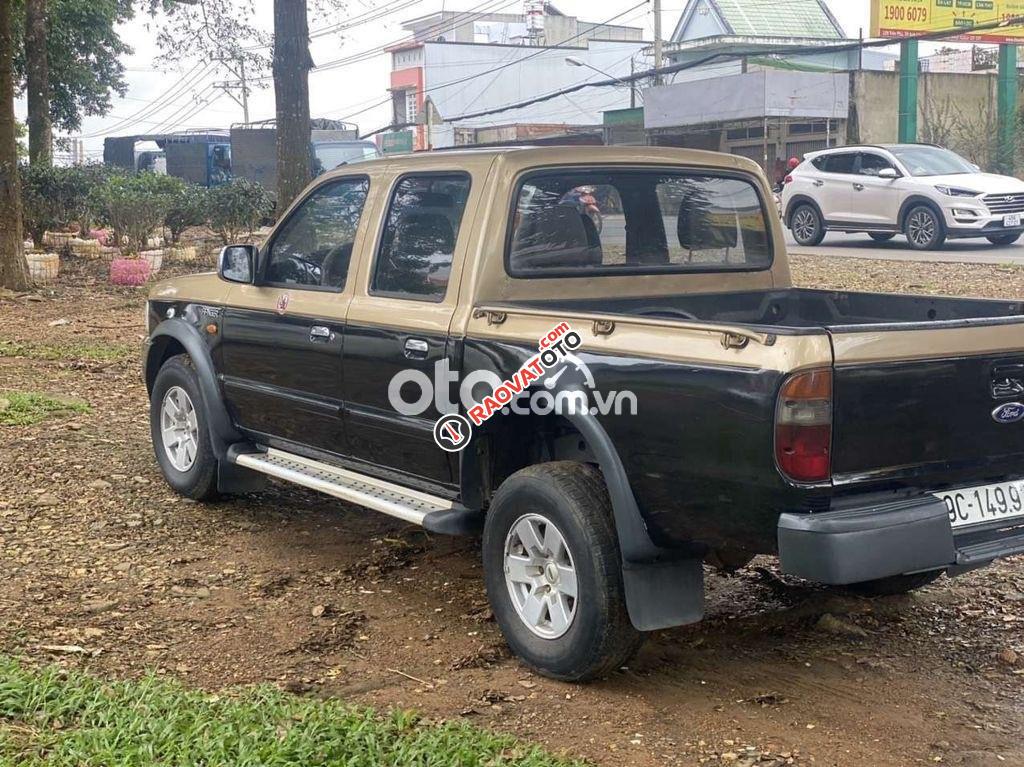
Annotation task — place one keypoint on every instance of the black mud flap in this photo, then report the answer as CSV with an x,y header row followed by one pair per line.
x,y
663,594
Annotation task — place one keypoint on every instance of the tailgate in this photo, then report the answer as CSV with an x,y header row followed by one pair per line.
x,y
927,403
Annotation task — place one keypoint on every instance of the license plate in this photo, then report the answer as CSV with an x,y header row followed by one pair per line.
x,y
988,503
1012,220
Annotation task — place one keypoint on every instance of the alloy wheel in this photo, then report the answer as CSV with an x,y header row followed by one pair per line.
x,y
921,228
179,428
540,576
805,225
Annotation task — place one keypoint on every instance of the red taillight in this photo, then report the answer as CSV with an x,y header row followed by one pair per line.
x,y
803,427
787,180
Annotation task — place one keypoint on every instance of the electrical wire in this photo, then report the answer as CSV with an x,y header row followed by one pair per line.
x,y
149,109
673,69
498,68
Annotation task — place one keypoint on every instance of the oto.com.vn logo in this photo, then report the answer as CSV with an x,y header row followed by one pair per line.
x,y
554,381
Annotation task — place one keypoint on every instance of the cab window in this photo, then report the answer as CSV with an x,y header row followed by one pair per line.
x,y
313,248
580,222
420,233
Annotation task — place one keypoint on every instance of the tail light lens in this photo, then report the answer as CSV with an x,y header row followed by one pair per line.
x,y
803,427
787,180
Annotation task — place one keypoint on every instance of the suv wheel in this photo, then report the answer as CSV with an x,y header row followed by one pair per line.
x,y
882,236
1002,240
178,426
553,572
807,226
924,229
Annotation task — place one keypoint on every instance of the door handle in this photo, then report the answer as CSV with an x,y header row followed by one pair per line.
x,y
819,182
859,187
319,333
416,348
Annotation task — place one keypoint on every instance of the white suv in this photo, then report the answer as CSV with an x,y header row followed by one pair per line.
x,y
925,192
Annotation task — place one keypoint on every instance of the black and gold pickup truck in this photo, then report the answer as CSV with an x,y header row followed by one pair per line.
x,y
596,358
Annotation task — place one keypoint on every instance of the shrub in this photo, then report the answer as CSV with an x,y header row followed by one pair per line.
x,y
42,197
238,208
188,208
135,205
55,197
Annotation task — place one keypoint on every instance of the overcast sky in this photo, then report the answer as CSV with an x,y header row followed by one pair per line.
x,y
353,92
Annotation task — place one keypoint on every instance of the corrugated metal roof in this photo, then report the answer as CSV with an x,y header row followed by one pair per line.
x,y
779,18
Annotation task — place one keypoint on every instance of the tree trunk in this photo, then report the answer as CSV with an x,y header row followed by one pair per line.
x,y
13,269
37,77
292,63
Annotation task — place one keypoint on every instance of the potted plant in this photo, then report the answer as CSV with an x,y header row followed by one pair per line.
x,y
188,208
238,208
134,205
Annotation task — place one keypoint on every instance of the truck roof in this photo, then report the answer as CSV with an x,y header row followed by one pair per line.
x,y
524,157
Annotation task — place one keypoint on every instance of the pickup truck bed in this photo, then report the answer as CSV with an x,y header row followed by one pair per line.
x,y
795,309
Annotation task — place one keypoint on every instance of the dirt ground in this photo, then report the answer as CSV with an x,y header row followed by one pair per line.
x,y
105,569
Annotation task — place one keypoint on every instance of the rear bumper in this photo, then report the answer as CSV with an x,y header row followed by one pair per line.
x,y
881,540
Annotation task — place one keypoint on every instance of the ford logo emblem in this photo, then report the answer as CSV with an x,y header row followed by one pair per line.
x,y
1011,412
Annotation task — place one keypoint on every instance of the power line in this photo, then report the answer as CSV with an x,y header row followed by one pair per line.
x,y
158,104
463,17
498,68
675,68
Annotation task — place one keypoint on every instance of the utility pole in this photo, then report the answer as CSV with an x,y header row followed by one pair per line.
x,y
908,92
658,53
229,87
1007,111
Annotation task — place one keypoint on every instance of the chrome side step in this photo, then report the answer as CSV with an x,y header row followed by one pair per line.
x,y
394,500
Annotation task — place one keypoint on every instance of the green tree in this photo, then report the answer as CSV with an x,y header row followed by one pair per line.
x,y
13,267
83,58
37,83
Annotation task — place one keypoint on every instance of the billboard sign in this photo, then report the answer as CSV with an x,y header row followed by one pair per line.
x,y
907,18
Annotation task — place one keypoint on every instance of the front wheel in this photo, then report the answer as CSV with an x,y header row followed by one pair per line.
x,y
807,227
924,229
554,575
1002,240
181,437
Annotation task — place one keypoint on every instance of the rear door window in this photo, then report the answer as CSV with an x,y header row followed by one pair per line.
x,y
583,222
420,232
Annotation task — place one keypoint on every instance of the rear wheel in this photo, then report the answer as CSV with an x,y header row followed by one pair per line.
x,y
1002,240
924,229
553,572
807,226
178,426
882,236
897,584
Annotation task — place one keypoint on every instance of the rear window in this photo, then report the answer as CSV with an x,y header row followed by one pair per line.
x,y
587,222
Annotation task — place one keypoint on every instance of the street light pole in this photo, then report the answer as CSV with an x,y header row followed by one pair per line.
x,y
658,54
575,62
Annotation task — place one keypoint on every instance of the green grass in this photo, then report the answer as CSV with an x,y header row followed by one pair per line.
x,y
19,408
59,719
91,352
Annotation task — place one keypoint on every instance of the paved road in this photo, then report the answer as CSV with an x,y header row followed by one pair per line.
x,y
956,251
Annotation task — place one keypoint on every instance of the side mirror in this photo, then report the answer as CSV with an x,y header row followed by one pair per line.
x,y
888,173
237,263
